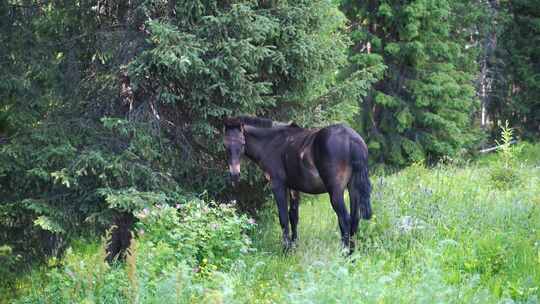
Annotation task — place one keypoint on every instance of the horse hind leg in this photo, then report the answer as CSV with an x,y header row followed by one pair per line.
x,y
333,174
344,219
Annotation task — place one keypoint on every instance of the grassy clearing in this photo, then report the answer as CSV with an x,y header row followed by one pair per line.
x,y
444,235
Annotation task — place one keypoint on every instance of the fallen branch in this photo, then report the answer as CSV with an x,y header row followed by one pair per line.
x,y
497,147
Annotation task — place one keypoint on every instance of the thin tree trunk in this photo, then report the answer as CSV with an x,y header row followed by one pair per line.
x,y
486,76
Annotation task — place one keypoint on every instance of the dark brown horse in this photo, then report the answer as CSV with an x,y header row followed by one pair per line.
x,y
297,160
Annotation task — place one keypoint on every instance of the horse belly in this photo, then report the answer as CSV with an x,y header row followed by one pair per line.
x,y
314,184
307,180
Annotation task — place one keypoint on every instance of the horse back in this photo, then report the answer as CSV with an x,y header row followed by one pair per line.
x,y
314,158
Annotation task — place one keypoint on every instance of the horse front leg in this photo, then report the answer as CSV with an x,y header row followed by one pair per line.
x,y
280,194
293,214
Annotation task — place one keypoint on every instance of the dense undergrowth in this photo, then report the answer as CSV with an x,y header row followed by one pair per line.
x,y
177,249
447,234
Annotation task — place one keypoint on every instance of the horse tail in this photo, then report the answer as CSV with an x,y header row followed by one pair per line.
x,y
359,186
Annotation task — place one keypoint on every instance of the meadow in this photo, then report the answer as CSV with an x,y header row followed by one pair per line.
x,y
454,233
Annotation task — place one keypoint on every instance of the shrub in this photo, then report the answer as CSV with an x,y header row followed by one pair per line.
x,y
182,249
503,173
197,231
9,262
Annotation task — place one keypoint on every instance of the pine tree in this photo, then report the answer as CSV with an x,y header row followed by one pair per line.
x,y
422,105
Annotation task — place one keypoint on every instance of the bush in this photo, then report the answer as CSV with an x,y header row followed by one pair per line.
x,y
200,233
9,262
182,248
503,173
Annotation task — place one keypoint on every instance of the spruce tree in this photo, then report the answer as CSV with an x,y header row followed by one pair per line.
x,y
423,103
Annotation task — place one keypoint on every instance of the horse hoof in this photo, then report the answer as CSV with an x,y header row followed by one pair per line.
x,y
288,247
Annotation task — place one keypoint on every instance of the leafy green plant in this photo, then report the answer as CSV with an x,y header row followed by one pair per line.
x,y
215,237
503,173
9,262
181,248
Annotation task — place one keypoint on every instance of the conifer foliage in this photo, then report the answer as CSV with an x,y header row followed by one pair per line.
x,y
422,105
109,107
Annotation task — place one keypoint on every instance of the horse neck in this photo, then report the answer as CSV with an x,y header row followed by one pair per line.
x,y
257,141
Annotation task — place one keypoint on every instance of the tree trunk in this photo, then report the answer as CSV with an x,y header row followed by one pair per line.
x,y
485,79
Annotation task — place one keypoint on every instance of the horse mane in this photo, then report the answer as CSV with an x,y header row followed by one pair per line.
x,y
258,122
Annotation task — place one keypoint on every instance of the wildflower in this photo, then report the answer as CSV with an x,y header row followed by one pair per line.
x,y
178,206
71,274
251,221
144,213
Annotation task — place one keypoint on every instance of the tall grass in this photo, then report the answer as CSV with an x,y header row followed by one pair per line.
x,y
446,234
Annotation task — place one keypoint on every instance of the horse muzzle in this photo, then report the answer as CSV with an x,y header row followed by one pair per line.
x,y
234,170
235,179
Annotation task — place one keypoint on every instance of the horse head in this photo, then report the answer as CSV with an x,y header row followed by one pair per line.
x,y
235,142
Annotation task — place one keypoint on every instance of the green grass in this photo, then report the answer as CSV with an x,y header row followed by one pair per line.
x,y
440,235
